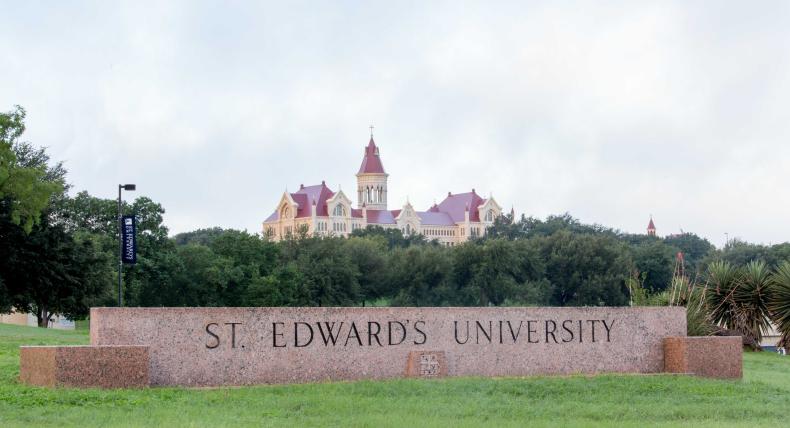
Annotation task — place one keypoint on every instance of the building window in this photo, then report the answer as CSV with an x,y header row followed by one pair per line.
x,y
339,211
286,212
490,215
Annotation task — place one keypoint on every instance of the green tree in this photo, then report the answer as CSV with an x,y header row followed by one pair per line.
x,y
369,256
48,272
200,236
485,273
26,185
506,227
250,258
421,276
283,287
586,269
394,236
694,250
329,276
655,262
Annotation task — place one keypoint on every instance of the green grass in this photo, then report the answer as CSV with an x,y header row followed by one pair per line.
x,y
761,399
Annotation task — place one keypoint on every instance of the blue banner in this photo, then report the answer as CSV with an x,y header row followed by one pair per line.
x,y
129,239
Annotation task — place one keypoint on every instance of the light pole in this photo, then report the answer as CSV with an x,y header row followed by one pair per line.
x,y
129,187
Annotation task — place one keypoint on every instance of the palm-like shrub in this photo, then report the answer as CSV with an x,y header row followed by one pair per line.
x,y
697,321
723,279
736,299
752,297
779,302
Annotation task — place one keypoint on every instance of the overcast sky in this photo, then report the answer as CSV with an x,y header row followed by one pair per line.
x,y
609,111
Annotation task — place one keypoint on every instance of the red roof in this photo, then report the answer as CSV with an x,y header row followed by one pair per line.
x,y
371,163
381,217
651,226
306,197
455,205
432,218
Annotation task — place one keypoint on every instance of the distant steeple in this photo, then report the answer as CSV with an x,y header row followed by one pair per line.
x,y
371,162
651,227
371,178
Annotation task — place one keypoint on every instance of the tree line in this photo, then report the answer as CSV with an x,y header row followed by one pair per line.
x,y
58,255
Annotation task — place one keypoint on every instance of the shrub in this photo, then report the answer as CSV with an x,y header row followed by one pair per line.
x,y
779,302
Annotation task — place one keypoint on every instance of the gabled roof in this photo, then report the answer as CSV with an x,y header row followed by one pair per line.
x,y
371,163
651,226
274,217
310,195
381,217
306,197
455,205
432,218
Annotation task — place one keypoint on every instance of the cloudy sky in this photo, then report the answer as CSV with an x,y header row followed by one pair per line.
x,y
610,111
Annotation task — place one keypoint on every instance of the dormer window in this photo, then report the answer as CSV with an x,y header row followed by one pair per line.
x,y
490,215
339,211
286,212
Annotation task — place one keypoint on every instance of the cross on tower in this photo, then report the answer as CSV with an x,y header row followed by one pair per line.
x,y
371,131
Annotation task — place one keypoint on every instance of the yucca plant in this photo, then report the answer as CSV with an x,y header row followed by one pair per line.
x,y
737,299
779,302
723,279
752,298
697,322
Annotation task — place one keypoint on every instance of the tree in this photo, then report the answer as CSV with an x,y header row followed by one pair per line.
x,y
655,262
564,222
26,186
48,272
250,258
282,287
586,269
506,227
485,273
330,278
694,250
369,256
421,276
394,236
200,236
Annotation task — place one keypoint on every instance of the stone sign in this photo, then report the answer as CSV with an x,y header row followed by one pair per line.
x,y
244,346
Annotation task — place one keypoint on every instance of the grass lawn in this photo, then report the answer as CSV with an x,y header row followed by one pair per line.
x,y
761,399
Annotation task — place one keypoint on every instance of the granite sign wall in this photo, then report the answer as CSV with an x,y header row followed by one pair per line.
x,y
242,346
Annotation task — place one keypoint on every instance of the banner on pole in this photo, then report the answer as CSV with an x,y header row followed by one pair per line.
x,y
129,239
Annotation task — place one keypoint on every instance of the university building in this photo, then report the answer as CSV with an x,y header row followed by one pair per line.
x,y
318,210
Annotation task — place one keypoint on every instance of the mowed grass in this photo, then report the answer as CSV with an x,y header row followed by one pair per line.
x,y
762,398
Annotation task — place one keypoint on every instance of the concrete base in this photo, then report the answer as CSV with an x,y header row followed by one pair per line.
x,y
707,356
85,366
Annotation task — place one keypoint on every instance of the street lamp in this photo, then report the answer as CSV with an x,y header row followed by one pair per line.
x,y
128,187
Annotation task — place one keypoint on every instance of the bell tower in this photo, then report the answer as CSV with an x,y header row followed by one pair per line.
x,y
651,227
371,179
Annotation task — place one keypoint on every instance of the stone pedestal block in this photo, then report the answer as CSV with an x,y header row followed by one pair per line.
x,y
85,366
708,356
